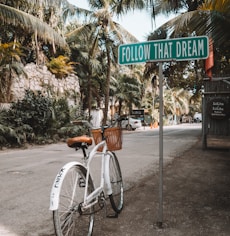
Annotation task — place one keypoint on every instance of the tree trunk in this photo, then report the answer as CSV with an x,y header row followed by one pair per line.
x,y
107,86
89,96
119,108
5,86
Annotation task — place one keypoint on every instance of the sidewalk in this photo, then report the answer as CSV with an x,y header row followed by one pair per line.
x,y
196,199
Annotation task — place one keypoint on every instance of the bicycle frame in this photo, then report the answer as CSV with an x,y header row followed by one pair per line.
x,y
105,184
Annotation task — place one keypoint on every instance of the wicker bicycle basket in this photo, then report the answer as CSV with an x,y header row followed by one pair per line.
x,y
113,137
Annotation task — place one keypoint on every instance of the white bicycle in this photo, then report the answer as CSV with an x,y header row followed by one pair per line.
x,y
74,198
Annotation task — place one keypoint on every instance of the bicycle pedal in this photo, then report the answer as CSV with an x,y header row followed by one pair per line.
x,y
102,202
81,183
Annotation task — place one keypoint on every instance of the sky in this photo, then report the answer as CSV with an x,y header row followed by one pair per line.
x,y
138,23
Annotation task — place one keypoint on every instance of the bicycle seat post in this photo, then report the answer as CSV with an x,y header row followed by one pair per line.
x,y
102,132
103,128
83,147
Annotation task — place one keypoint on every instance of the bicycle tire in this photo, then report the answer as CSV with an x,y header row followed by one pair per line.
x,y
117,196
68,218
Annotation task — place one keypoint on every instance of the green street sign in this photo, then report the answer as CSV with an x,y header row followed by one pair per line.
x,y
178,49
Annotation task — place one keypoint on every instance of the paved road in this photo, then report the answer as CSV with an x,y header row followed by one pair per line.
x,y
27,175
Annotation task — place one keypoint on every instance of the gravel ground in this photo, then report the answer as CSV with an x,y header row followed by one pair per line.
x,y
196,199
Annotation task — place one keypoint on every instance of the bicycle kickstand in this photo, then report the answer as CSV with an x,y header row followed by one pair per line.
x,y
112,215
103,202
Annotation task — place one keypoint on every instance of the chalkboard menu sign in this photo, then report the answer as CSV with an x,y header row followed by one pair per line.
x,y
138,112
218,108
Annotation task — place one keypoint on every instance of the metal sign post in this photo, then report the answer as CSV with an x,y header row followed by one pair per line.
x,y
178,49
160,213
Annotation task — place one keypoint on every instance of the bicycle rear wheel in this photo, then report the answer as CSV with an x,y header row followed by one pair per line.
x,y
116,198
68,219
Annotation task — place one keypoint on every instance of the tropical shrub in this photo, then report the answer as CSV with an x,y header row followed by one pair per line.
x,y
37,119
33,110
61,112
8,135
61,66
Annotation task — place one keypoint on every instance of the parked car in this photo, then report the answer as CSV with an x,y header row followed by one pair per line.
x,y
130,123
197,117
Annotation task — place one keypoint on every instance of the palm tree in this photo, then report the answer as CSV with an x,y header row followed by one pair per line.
x,y
176,101
107,33
34,24
89,68
202,17
126,89
9,62
206,17
17,18
16,26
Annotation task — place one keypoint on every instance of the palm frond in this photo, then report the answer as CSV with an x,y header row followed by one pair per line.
x,y
82,30
168,6
12,16
122,34
216,5
199,22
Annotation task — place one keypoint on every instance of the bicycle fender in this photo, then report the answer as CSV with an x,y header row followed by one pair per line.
x,y
55,191
107,186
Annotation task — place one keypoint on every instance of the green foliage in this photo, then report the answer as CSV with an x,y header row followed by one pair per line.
x,y
71,131
33,110
10,51
36,119
7,134
127,91
61,112
60,66
10,54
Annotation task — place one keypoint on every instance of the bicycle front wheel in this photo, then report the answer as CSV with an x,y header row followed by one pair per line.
x,y
116,198
69,220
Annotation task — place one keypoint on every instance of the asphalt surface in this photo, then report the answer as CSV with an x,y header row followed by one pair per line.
x,y
196,198
27,175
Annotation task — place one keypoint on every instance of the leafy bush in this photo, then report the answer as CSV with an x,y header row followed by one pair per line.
x,y
61,112
61,66
37,119
72,131
34,110
8,135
